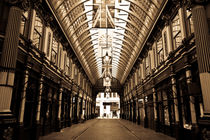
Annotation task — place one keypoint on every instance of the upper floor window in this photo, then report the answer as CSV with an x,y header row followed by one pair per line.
x,y
139,75
38,30
176,29
165,43
67,66
54,52
189,21
147,65
160,54
24,23
114,95
48,44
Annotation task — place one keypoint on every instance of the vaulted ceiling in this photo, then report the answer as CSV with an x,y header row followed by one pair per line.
x,y
133,22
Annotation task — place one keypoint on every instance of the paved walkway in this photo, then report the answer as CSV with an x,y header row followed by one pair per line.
x,y
104,129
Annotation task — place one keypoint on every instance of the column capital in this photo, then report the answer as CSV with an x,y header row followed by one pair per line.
x,y
22,4
192,3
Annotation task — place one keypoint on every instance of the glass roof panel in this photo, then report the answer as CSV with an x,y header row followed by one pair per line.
x,y
128,22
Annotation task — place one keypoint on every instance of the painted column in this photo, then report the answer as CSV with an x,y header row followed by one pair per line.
x,y
192,106
20,130
70,108
39,98
37,127
145,115
9,58
23,95
176,110
155,108
59,108
76,109
192,100
81,110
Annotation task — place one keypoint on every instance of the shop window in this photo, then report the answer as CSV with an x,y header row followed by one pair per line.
x,y
160,54
24,23
38,30
189,22
176,29
54,52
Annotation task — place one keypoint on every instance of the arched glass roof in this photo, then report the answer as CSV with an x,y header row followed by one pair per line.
x,y
130,20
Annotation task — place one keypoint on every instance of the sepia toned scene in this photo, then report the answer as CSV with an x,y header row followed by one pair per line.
x,y
104,70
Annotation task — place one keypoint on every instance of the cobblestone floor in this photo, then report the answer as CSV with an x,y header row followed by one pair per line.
x,y
105,129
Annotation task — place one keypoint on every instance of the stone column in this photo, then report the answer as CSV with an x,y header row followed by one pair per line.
x,y
155,108
200,13
202,40
59,109
9,58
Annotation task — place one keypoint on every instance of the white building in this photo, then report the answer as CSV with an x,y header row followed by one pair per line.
x,y
108,105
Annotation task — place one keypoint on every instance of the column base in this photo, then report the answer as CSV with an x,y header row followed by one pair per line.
x,y
37,130
58,125
157,129
7,129
204,128
145,122
195,134
138,120
69,123
178,132
19,132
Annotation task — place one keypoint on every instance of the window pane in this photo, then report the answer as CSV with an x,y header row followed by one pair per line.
x,y
160,54
176,31
189,22
23,23
38,27
54,50
48,43
165,42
